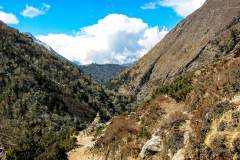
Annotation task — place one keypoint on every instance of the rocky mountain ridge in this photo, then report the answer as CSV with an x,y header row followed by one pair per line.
x,y
185,48
204,125
188,90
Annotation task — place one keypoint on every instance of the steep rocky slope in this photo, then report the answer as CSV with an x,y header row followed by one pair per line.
x,y
43,99
102,73
192,79
185,48
204,125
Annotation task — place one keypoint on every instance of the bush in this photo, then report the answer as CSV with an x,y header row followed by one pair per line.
x,y
48,148
144,133
177,90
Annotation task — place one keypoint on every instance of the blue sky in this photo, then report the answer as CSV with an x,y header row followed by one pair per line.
x,y
54,21
69,17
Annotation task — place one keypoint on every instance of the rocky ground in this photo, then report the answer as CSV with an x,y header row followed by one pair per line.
x,y
206,125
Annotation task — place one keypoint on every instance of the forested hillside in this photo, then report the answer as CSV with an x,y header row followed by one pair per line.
x,y
43,99
103,72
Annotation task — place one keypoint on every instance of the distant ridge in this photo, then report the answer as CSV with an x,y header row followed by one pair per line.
x,y
103,72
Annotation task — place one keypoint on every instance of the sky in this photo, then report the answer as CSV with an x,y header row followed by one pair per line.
x,y
98,31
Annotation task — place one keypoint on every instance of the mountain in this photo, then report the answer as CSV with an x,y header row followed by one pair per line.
x,y
50,49
188,95
103,72
185,48
44,99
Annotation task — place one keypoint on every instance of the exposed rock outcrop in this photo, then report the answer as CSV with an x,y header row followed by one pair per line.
x,y
205,126
154,145
189,46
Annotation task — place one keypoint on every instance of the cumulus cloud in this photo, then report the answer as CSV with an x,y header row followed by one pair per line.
x,y
181,7
32,12
8,18
114,39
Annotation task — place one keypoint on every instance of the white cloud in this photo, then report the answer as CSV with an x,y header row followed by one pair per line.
x,y
32,12
8,18
150,5
114,39
181,7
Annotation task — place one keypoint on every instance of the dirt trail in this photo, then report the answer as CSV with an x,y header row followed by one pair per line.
x,y
82,151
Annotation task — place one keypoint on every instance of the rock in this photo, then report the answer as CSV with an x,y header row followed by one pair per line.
x,y
198,73
236,100
90,145
179,155
95,125
153,145
2,154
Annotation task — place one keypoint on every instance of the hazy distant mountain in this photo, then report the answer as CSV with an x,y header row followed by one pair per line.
x,y
103,72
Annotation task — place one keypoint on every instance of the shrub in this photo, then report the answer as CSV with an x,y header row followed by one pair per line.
x,y
98,131
48,148
144,133
178,89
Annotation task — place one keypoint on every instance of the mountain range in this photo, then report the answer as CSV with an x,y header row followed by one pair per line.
x,y
180,101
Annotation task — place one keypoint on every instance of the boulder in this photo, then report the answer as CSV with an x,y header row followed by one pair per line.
x,y
2,154
152,146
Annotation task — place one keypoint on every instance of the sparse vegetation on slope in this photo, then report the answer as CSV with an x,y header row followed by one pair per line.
x,y
203,122
186,48
43,99
177,89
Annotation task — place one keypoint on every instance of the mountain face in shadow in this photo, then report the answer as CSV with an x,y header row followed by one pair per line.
x,y
103,73
43,99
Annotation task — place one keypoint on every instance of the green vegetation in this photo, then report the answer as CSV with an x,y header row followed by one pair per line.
x,y
231,42
98,131
177,90
49,147
144,133
122,78
102,73
122,103
43,99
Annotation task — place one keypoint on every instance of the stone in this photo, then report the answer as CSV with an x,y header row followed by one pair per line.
x,y
180,155
153,145
2,154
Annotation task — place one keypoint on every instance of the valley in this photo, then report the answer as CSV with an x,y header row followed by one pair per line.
x,y
181,101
